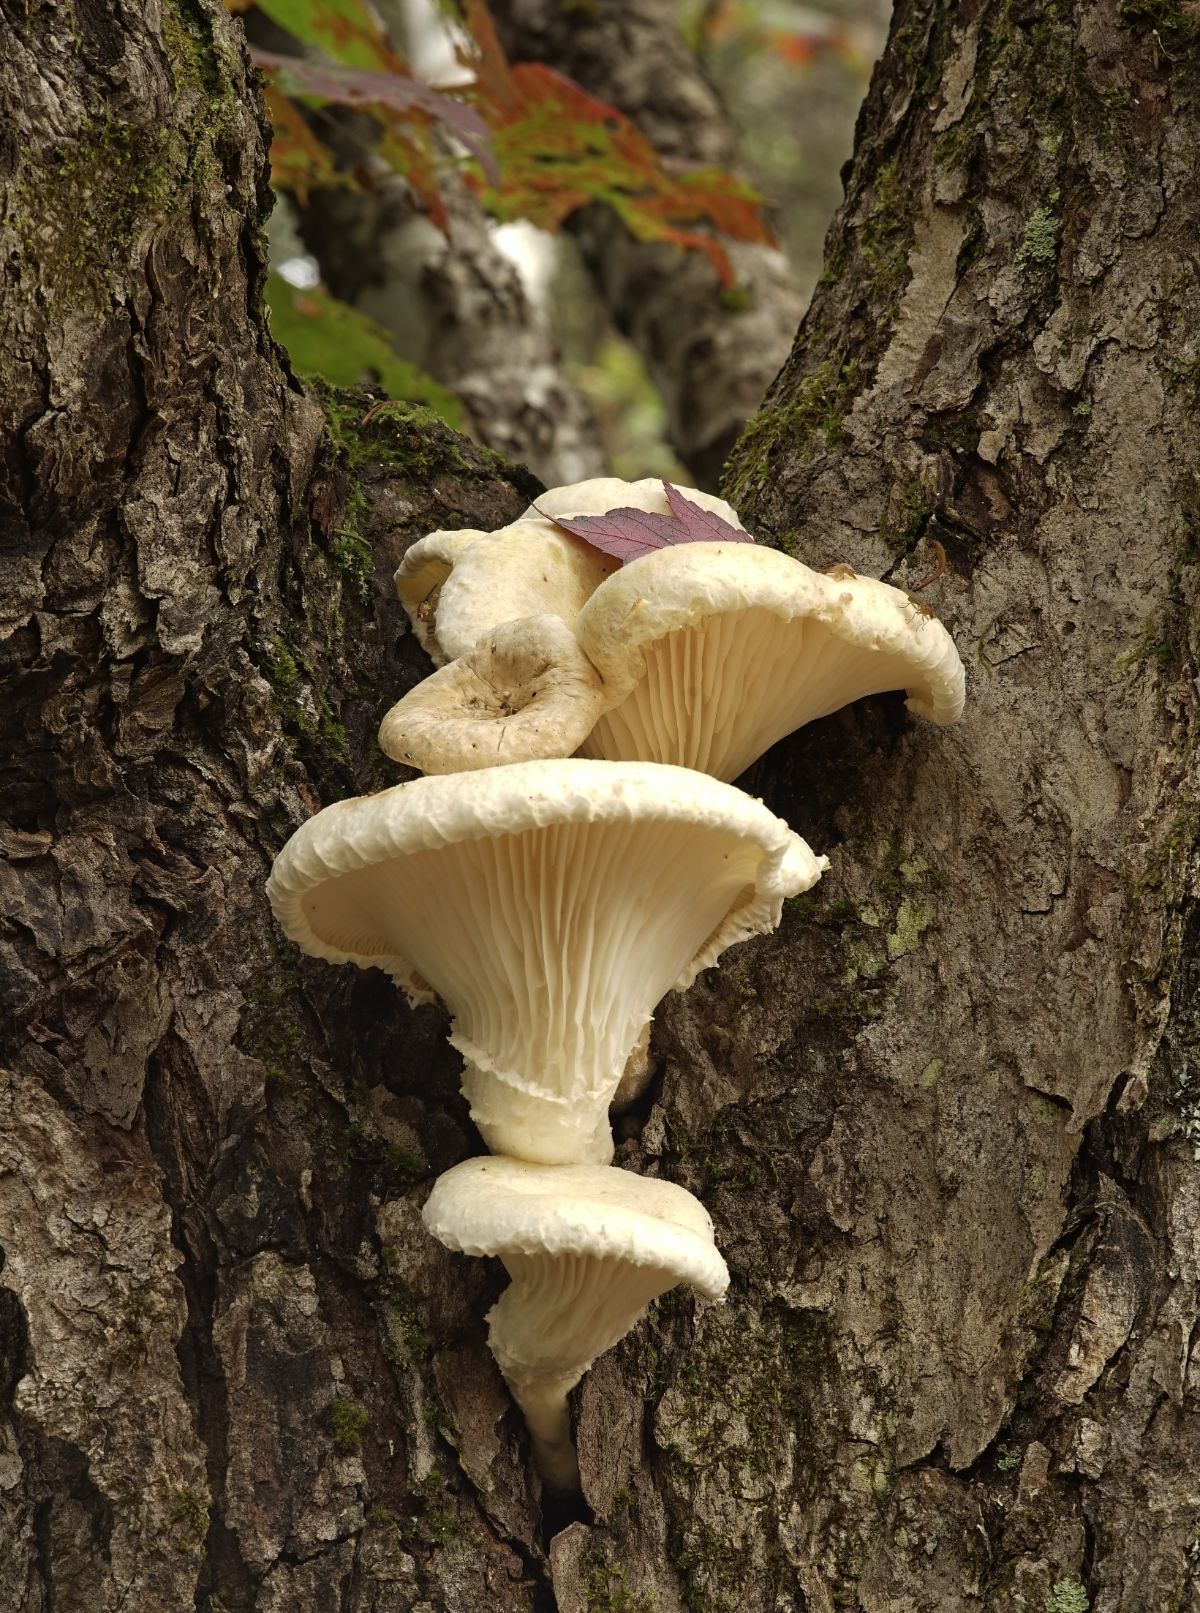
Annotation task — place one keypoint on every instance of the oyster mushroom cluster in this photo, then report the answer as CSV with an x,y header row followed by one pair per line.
x,y
575,852
697,653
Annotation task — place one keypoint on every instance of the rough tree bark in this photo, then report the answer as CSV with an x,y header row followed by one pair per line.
x,y
945,1119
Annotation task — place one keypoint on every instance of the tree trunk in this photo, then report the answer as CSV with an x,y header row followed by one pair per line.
x,y
210,1380
945,1119
974,1079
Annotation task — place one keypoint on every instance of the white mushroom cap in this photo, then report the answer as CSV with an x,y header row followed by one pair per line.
x,y
419,578
550,905
587,1248
525,691
526,569
714,651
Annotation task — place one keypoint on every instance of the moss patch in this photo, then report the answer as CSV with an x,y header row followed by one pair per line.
x,y
1176,22
811,423
302,703
269,1028
913,916
905,517
407,437
80,209
604,1586
886,237
187,1518
740,1405
1039,243
347,1420
1068,1596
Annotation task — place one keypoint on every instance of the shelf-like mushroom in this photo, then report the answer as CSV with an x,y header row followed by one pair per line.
x,y
458,586
587,1248
711,652
525,691
550,905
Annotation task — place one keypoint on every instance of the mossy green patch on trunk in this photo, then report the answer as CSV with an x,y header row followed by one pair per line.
x,y
198,60
886,237
1174,23
808,424
82,205
347,1420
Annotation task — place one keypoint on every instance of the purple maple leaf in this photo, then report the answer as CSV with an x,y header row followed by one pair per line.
x,y
627,534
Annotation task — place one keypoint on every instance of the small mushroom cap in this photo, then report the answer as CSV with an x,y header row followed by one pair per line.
x,y
714,651
587,1248
525,691
526,569
495,1206
419,578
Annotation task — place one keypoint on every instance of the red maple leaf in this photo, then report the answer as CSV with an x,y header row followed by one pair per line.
x,y
626,533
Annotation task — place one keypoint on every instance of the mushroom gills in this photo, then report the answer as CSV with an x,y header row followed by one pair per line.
x,y
559,1313
717,694
550,904
552,948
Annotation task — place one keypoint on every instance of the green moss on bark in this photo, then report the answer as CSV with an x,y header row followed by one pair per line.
x,y
886,237
82,205
810,423
1175,22
605,1588
347,1421
1039,243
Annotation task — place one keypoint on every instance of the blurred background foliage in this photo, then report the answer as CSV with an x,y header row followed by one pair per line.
x,y
330,340
419,96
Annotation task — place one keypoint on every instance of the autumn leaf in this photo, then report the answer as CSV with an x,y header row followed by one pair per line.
x,y
542,146
326,83
357,66
559,148
627,534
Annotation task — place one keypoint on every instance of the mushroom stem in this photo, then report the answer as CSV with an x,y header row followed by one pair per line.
x,y
545,1406
561,1311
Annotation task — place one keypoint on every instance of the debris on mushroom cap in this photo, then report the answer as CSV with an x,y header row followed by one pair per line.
x,y
525,691
525,569
551,905
712,652
587,1248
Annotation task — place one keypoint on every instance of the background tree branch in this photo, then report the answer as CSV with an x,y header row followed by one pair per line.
x,y
458,308
711,353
